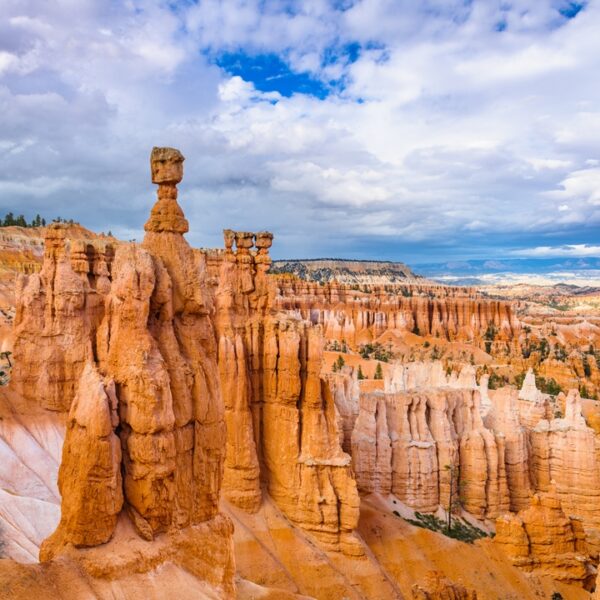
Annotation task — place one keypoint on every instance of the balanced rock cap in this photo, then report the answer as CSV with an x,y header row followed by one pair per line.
x,y
166,165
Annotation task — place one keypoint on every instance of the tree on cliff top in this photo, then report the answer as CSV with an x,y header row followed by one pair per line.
x,y
11,221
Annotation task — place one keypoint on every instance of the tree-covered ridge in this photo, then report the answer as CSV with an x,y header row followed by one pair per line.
x,y
20,221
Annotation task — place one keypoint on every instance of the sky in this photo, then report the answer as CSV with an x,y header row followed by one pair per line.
x,y
416,131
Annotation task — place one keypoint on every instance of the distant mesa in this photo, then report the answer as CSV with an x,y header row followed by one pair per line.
x,y
347,271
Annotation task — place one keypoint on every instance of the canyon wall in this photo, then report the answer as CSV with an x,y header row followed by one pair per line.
x,y
418,444
282,421
360,317
406,442
543,539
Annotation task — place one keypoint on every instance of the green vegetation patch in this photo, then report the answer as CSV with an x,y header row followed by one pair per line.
x,y
460,529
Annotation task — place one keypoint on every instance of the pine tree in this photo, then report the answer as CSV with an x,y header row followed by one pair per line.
x,y
360,374
340,362
378,372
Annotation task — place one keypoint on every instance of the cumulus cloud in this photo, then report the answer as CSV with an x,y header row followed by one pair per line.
x,y
448,128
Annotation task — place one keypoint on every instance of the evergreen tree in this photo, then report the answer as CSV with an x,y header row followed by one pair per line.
x,y
378,372
360,375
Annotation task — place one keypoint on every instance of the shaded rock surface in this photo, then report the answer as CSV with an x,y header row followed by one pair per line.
x,y
542,538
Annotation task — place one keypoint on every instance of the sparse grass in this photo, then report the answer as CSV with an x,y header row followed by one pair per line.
x,y
460,529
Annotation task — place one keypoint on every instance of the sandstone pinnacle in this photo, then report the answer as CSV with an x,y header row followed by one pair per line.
x,y
166,165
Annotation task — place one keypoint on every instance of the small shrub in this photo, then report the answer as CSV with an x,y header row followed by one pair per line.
x,y
497,381
378,372
375,351
548,386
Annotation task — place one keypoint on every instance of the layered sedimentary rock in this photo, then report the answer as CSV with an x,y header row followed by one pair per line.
x,y
419,444
438,587
174,329
307,472
542,538
565,452
58,312
282,421
533,404
90,480
132,355
240,305
503,420
372,446
359,317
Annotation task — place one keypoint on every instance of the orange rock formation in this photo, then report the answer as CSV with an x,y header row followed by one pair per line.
x,y
543,539
182,373
359,317
282,422
134,360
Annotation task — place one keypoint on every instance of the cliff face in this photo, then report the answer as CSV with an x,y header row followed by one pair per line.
x,y
360,317
543,539
90,479
410,442
347,271
565,453
58,311
282,420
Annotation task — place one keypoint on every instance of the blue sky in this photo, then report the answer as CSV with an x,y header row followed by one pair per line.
x,y
417,131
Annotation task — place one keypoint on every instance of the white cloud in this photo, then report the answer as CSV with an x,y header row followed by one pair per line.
x,y
461,132
583,184
575,250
